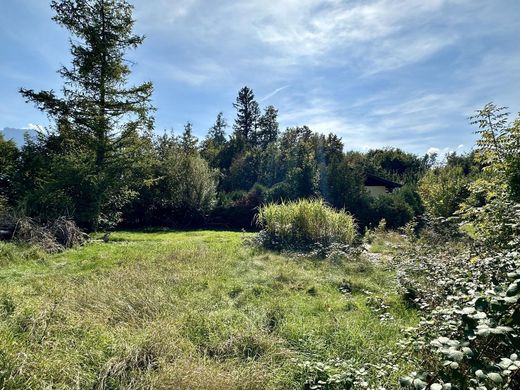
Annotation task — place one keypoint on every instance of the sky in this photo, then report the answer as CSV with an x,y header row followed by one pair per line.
x,y
379,73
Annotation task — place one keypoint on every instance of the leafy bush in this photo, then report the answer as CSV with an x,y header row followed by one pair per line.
x,y
393,209
237,209
442,190
183,192
305,223
469,318
492,208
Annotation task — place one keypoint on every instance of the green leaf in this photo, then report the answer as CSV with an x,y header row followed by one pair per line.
x,y
480,374
505,363
456,356
513,289
405,381
495,377
481,304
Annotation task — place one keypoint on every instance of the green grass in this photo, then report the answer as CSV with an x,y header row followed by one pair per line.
x,y
387,243
187,310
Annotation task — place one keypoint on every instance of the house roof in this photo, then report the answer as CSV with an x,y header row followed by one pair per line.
x,y
373,180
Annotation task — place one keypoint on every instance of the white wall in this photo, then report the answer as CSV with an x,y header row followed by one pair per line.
x,y
375,191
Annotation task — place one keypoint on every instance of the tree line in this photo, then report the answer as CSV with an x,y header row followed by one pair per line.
x,y
102,165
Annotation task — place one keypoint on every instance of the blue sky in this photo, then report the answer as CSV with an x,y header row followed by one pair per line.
x,y
404,73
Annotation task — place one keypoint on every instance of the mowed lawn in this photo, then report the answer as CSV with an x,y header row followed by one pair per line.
x,y
187,310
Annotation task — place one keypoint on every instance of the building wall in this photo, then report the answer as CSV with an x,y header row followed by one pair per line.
x,y
375,191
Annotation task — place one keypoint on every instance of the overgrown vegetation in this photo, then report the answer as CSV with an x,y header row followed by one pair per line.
x,y
467,337
305,224
431,300
194,310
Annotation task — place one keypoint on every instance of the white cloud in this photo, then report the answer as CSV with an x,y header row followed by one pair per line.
x,y
191,74
348,44
38,128
371,35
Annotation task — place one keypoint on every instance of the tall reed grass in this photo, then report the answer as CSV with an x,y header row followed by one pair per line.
x,y
304,223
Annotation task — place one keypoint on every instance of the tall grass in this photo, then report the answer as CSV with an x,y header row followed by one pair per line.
x,y
188,310
306,222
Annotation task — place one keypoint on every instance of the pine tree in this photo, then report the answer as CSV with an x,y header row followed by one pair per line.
x,y
248,116
268,127
188,141
107,114
215,143
217,132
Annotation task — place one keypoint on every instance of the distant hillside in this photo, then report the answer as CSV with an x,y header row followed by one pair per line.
x,y
17,135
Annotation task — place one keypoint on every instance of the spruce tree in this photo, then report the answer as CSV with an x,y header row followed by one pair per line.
x,y
188,141
268,127
217,132
107,115
247,120
214,145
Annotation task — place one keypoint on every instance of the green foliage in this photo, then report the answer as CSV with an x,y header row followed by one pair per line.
x,y
393,208
242,173
214,145
188,141
8,163
443,189
397,165
469,318
268,128
305,223
57,177
237,209
467,337
247,120
182,191
492,208
98,111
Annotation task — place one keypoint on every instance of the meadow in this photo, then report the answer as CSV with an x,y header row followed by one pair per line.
x,y
197,310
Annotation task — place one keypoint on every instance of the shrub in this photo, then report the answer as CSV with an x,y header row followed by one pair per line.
x,y
470,319
237,209
443,189
492,209
305,223
393,209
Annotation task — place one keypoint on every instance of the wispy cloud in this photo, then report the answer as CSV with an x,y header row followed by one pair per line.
x,y
403,73
271,94
195,74
307,31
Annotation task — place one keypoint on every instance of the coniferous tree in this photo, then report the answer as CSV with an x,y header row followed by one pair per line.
x,y
217,132
214,145
268,127
108,115
188,141
8,161
248,116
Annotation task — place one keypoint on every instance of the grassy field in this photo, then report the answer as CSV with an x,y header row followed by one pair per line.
x,y
188,310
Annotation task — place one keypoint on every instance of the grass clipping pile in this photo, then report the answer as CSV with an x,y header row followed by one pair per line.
x,y
54,237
